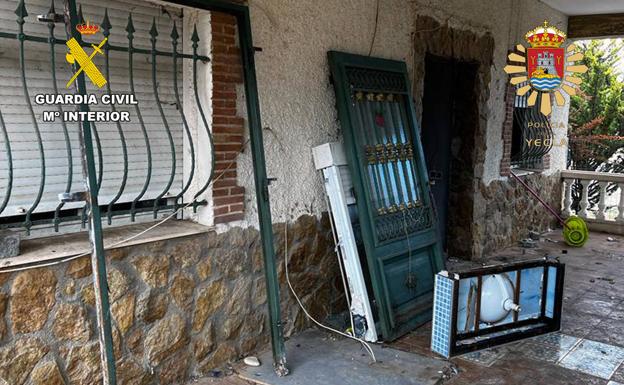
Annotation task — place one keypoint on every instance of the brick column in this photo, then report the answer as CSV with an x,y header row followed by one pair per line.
x,y
228,128
505,163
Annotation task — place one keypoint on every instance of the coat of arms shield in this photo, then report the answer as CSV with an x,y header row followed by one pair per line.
x,y
545,68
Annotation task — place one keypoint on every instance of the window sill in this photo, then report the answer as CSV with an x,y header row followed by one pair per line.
x,y
50,249
525,171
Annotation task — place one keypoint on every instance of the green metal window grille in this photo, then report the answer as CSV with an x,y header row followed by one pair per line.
x,y
92,151
529,125
139,164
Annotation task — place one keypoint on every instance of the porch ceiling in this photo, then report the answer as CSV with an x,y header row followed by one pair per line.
x,y
584,7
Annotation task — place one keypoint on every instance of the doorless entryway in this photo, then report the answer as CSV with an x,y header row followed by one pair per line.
x,y
449,124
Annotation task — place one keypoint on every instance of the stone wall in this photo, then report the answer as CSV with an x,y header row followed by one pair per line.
x,y
466,168
180,307
509,212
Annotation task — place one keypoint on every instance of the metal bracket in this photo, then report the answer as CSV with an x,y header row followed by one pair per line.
x,y
51,18
79,196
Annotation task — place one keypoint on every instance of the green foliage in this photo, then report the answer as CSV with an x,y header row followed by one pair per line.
x,y
596,135
597,111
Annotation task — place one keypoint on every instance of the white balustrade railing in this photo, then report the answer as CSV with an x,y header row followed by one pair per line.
x,y
608,214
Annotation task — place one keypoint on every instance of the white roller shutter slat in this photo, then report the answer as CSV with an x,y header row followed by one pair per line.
x,y
26,158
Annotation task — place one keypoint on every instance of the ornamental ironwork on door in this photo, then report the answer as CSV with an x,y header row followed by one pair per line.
x,y
396,218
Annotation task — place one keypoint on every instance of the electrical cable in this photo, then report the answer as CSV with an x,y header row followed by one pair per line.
x,y
108,247
292,289
370,51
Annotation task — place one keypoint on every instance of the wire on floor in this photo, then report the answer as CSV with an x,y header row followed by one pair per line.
x,y
292,289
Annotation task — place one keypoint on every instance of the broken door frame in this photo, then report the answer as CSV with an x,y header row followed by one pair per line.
x,y
261,181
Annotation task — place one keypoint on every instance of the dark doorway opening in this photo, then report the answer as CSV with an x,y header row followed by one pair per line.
x,y
449,123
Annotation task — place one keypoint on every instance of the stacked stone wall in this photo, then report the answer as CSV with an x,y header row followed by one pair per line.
x,y
180,308
509,212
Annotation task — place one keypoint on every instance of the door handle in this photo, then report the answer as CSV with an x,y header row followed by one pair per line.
x,y
435,175
410,281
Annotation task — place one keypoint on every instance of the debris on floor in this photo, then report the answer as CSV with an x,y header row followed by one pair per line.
x,y
589,350
478,308
528,243
252,361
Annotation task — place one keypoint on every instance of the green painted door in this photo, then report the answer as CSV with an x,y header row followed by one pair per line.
x,y
397,221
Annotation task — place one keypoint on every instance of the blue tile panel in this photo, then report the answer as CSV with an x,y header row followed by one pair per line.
x,y
442,316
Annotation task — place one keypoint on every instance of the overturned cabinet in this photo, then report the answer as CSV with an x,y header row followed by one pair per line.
x,y
488,306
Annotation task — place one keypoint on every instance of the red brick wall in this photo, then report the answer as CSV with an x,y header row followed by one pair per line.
x,y
228,128
507,130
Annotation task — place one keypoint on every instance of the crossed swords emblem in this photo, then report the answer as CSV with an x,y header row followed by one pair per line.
x,y
78,55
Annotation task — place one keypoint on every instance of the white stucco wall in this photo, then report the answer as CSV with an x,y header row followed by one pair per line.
x,y
297,101
194,120
559,152
296,98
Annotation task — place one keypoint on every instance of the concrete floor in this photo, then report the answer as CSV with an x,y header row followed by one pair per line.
x,y
316,357
588,350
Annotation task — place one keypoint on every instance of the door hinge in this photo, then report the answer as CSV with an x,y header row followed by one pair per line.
x,y
51,18
265,188
79,196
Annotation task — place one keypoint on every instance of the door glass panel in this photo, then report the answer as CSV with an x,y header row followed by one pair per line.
x,y
387,153
387,150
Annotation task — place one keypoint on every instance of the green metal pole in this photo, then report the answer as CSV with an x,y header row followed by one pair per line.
x,y
98,261
262,193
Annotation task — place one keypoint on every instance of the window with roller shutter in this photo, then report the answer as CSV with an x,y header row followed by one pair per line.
x,y
148,167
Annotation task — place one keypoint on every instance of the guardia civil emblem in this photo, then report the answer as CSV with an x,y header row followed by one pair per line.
x,y
547,67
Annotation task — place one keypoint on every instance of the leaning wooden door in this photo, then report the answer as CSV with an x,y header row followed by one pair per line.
x,y
397,220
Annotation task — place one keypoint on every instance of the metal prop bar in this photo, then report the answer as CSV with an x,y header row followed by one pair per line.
x,y
536,195
262,191
98,260
261,180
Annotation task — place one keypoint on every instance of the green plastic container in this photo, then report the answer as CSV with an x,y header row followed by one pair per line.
x,y
575,232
